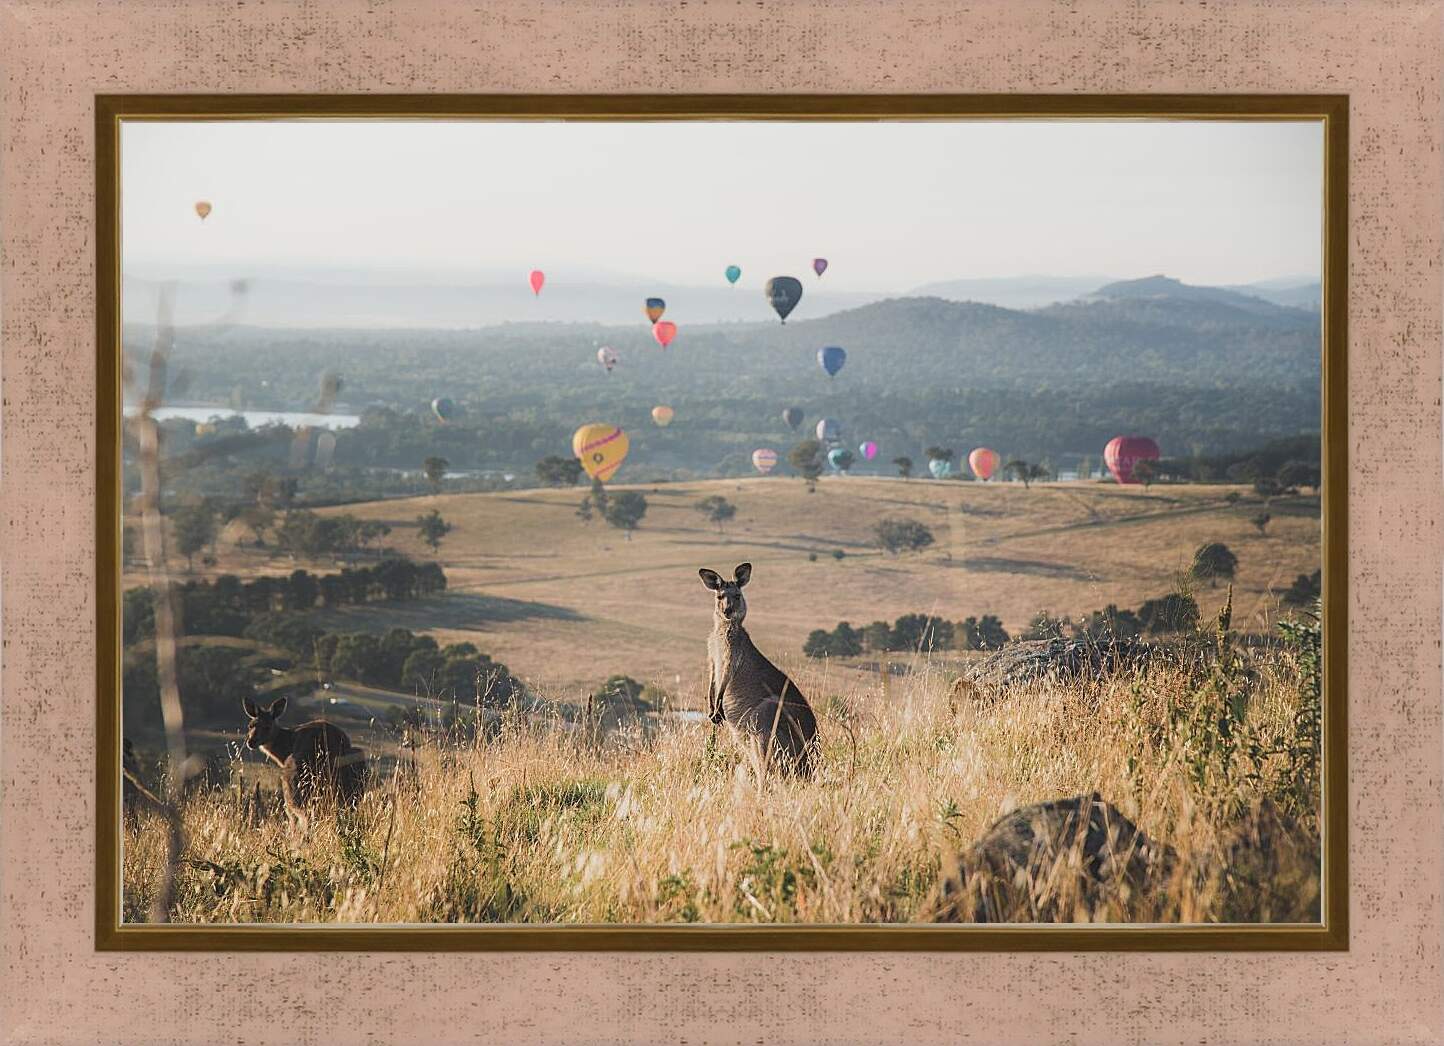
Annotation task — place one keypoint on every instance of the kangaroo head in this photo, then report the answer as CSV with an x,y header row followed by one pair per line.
x,y
262,726
730,604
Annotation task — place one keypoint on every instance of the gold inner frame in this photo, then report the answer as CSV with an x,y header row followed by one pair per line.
x,y
1332,934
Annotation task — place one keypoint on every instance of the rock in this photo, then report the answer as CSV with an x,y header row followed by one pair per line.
x,y
1029,660
1068,860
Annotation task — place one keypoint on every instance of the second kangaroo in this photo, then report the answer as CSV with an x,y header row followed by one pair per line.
x,y
749,691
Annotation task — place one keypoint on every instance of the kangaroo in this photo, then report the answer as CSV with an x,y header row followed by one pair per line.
x,y
315,757
749,691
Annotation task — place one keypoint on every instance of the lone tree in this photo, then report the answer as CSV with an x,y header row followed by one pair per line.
x,y
1174,612
557,471
1213,561
939,454
902,535
595,503
1261,521
433,528
986,633
717,509
435,469
1305,589
806,461
625,510
195,528
1025,471
904,467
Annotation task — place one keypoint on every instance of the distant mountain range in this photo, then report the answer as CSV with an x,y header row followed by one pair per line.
x,y
382,301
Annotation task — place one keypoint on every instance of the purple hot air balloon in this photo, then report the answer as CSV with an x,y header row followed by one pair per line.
x,y
819,265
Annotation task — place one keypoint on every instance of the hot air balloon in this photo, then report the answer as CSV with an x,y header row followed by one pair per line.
x,y
983,462
1123,453
662,416
203,208
831,359
783,293
537,279
664,332
868,450
793,417
444,409
828,430
839,458
600,448
607,357
654,309
733,274
940,468
819,265
764,460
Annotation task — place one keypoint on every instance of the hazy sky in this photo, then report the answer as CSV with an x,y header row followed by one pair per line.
x,y
891,205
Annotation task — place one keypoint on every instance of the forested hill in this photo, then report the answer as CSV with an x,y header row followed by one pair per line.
x,y
1202,372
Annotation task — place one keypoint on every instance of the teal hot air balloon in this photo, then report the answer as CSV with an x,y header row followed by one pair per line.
x,y
733,274
940,468
783,294
840,458
831,359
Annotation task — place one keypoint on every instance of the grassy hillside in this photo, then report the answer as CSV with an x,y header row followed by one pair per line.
x,y
674,824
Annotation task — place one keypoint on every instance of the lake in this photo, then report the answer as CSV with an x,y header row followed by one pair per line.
x,y
256,418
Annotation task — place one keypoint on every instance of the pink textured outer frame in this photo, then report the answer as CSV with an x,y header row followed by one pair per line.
x,y
55,56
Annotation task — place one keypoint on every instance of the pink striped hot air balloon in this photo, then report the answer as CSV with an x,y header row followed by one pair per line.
x,y
983,462
764,460
1123,453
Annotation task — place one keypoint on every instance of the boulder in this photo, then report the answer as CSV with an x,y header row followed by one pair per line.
x,y
1034,659
1068,860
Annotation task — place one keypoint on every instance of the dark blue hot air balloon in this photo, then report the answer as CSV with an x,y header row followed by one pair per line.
x,y
831,359
783,294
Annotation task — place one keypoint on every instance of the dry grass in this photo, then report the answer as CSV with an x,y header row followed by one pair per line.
x,y
566,605
668,824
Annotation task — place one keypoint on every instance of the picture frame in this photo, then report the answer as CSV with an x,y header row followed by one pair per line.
x,y
1331,934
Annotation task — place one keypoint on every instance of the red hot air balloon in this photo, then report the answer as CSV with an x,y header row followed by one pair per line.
x,y
537,279
664,332
1123,453
983,462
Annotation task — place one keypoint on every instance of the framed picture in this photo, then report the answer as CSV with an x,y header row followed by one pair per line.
x,y
721,522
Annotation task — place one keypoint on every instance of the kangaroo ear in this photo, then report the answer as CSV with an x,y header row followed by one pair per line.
x,y
277,707
249,707
711,578
742,574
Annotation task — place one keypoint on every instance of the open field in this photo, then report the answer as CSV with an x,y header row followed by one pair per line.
x,y
566,605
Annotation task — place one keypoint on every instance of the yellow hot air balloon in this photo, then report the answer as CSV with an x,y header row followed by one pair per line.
x,y
600,448
662,416
203,208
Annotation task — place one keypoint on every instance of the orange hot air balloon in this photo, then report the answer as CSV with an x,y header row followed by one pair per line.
x,y
600,448
662,416
983,462
764,459
203,208
664,332
537,279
